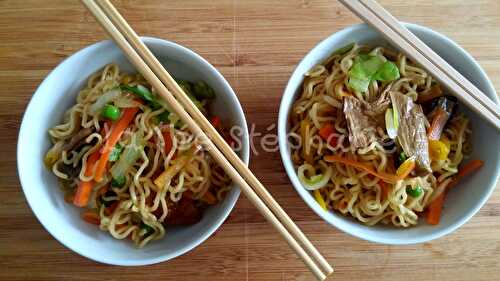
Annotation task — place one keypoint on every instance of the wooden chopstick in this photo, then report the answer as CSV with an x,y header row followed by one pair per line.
x,y
375,15
200,119
148,74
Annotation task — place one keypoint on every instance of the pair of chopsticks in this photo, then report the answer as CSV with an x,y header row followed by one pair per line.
x,y
148,65
375,15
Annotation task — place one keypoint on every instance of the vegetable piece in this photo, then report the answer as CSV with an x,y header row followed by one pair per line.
x,y
53,154
327,132
438,150
148,229
186,86
433,92
361,72
116,132
405,169
414,192
391,123
115,153
82,194
439,117
385,188
367,68
128,158
195,101
365,167
111,112
171,171
434,209
216,123
304,132
467,169
359,84
91,217
118,181
316,181
344,49
84,188
402,157
388,71
167,138
163,117
201,90
101,101
143,93
319,199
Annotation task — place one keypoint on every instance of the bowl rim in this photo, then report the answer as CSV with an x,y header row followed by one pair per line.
x,y
285,106
35,207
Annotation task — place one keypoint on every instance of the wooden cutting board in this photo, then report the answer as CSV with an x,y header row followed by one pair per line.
x,y
256,45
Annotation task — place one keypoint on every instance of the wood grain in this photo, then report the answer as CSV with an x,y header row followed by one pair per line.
x,y
256,45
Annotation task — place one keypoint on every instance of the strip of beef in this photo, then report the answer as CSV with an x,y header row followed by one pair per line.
x,y
77,139
412,135
363,118
183,213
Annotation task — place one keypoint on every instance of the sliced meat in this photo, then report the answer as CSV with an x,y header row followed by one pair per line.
x,y
363,119
76,140
183,213
412,135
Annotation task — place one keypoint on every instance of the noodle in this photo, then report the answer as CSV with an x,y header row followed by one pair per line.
x,y
139,208
352,191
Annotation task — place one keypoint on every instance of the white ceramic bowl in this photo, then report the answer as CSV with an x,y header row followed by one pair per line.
x,y
465,199
55,95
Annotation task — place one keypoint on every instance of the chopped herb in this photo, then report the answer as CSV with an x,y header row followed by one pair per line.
x,y
115,153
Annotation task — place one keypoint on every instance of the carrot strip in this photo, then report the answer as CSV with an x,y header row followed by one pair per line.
x,y
389,178
84,189
467,169
116,132
326,133
385,189
434,92
91,217
435,207
168,141
437,125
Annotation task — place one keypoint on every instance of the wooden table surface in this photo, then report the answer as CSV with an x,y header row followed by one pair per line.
x,y
256,45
